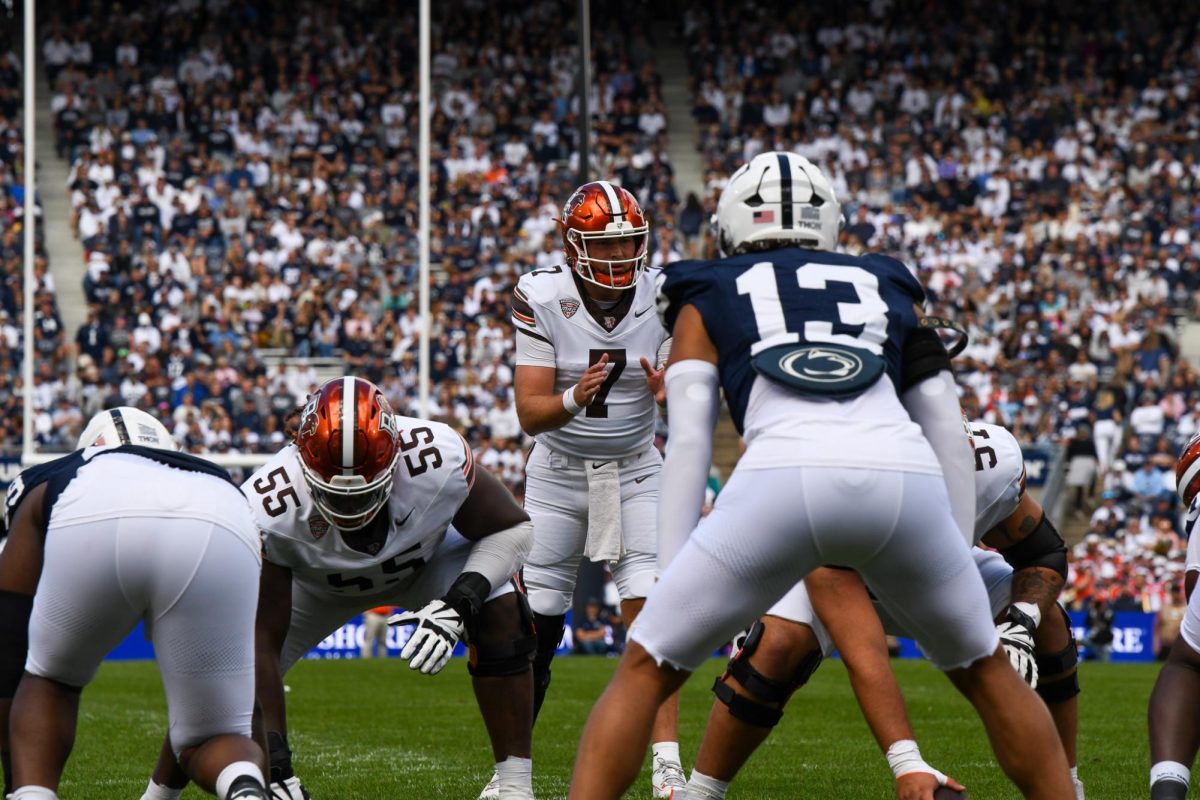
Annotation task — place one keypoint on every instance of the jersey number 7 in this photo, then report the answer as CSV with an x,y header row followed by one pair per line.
x,y
616,359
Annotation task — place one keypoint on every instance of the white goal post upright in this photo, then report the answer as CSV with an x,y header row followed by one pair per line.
x,y
423,220
30,222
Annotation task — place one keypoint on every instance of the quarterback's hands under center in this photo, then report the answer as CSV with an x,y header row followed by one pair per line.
x,y
439,627
655,381
593,378
922,785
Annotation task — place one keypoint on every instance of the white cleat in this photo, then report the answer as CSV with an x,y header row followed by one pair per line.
x,y
492,790
516,793
667,780
1078,789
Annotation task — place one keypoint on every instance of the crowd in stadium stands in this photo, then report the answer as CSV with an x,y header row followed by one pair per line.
x,y
244,179
1041,176
51,341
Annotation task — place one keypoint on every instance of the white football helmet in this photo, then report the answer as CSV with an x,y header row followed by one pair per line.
x,y
777,199
114,427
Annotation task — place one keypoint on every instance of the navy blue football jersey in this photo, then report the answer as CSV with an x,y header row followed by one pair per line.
x,y
825,324
61,471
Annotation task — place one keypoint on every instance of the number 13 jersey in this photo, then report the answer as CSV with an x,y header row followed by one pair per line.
x,y
558,325
834,317
432,479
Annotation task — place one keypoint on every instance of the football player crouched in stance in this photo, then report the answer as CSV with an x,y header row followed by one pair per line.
x,y
592,477
1174,726
368,508
127,530
783,648
810,347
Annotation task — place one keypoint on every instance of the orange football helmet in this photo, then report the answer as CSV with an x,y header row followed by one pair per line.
x,y
349,447
1187,471
604,212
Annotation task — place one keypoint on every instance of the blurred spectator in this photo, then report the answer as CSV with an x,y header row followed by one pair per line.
x,y
592,633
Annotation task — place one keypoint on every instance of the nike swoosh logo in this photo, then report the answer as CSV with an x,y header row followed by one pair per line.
x,y
639,480
400,522
643,311
598,464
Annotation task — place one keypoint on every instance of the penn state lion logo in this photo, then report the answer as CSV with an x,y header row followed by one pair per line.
x,y
569,307
822,364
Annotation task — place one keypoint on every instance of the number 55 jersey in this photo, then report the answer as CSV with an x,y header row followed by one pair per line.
x,y
561,327
810,346
432,479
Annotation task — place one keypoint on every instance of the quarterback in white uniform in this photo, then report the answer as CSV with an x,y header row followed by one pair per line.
x,y
582,330
368,508
824,365
790,641
124,530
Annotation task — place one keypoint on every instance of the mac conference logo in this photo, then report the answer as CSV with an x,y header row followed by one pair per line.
x,y
822,364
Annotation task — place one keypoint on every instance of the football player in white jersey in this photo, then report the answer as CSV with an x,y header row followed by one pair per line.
x,y
369,508
1174,724
124,530
812,348
592,476
784,648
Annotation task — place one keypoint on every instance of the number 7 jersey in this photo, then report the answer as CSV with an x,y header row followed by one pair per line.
x,y
432,480
809,350
558,325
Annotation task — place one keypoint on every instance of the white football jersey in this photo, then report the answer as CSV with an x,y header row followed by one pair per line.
x,y
549,307
999,476
434,475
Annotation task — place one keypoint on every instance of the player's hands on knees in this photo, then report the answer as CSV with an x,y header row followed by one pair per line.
x,y
1016,636
922,785
439,627
593,378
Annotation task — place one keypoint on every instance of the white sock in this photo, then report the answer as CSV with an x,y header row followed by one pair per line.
x,y
516,773
667,751
234,771
702,787
1074,773
156,792
33,793
1170,771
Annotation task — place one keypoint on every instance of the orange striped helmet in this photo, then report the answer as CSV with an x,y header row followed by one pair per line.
x,y
1187,471
604,212
349,447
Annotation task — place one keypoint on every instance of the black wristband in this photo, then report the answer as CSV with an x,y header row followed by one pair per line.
x,y
466,596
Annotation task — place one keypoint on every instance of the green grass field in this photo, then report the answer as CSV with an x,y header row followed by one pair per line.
x,y
371,729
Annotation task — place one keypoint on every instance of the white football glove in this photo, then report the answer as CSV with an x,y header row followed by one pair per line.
x,y
289,789
1016,635
439,627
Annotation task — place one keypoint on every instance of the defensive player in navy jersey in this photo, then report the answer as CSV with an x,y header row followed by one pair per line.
x,y
103,553
813,349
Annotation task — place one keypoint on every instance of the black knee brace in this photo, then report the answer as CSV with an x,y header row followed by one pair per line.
x,y
1065,688
511,656
15,610
549,631
763,690
1044,547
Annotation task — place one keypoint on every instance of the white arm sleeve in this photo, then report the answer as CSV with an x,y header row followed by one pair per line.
x,y
498,556
933,404
534,351
692,399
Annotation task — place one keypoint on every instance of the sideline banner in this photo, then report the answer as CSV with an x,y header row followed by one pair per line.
x,y
345,642
1133,637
